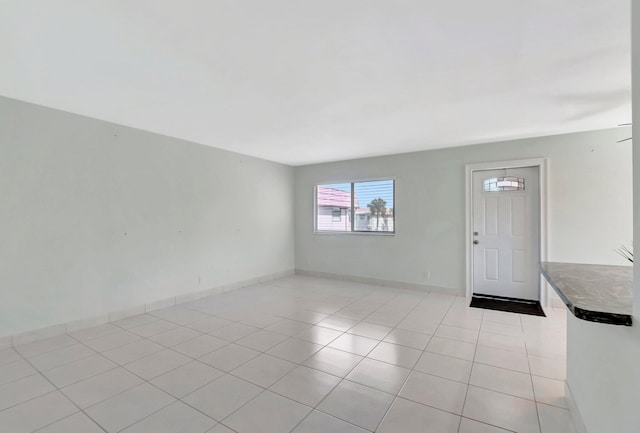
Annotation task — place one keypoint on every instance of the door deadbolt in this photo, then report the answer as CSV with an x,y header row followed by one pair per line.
x,y
475,233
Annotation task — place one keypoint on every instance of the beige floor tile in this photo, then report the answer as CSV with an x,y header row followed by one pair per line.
x,y
157,364
268,413
354,344
101,387
132,351
222,397
553,368
294,350
409,417
177,417
470,426
305,385
304,339
262,340
444,366
379,375
319,335
333,361
229,357
555,419
15,370
501,410
357,404
318,422
502,380
78,423
234,331
502,358
457,333
370,330
24,389
186,379
504,342
407,338
264,370
395,354
8,356
549,391
175,336
36,413
129,407
434,391
455,349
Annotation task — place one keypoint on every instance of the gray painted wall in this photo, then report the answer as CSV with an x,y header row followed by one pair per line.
x,y
98,217
590,208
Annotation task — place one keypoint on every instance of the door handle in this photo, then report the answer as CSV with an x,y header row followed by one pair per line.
x,y
476,242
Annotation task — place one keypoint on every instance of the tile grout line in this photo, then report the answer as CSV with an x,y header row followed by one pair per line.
x,y
533,390
397,396
267,389
57,389
144,381
228,373
342,379
360,320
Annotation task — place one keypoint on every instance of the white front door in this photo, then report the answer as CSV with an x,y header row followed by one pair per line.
x,y
506,232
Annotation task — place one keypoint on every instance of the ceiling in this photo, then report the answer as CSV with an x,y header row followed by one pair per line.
x,y
302,82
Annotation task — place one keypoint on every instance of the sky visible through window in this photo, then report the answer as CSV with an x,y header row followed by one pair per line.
x,y
367,191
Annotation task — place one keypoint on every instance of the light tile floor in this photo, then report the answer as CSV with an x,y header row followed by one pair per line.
x,y
301,355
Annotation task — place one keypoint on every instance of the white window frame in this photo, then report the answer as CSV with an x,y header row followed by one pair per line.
x,y
352,217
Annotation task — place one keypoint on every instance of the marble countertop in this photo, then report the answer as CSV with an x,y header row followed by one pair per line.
x,y
598,293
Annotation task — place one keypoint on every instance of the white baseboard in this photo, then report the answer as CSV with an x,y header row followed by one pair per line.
x,y
63,328
381,282
128,312
86,323
160,304
573,410
38,334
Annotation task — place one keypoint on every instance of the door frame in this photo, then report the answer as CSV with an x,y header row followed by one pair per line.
x,y
543,168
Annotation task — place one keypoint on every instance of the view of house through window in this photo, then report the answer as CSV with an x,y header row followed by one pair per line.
x,y
356,207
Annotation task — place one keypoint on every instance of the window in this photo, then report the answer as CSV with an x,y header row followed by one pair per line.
x,y
356,207
508,183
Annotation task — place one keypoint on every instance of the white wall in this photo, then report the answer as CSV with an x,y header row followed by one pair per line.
x,y
590,208
97,217
635,56
603,364
603,373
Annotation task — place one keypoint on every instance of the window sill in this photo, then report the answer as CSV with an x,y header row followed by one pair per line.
x,y
372,233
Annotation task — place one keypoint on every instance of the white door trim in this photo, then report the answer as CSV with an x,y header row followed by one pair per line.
x,y
543,165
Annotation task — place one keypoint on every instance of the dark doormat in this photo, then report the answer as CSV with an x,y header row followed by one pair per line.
x,y
511,305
